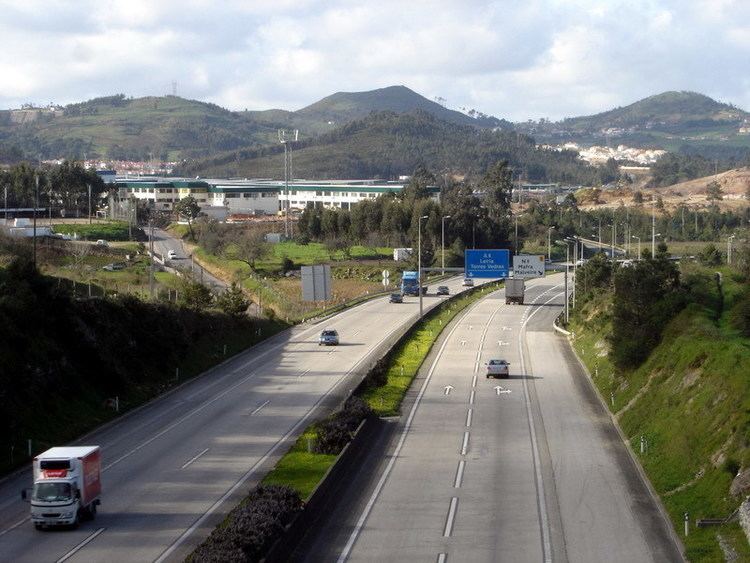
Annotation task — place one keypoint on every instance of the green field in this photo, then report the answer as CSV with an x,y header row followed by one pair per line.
x,y
110,231
691,402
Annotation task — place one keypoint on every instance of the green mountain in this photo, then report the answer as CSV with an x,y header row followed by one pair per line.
x,y
675,111
343,107
678,121
173,128
387,144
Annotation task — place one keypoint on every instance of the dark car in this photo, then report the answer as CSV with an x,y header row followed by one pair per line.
x,y
396,298
328,338
443,290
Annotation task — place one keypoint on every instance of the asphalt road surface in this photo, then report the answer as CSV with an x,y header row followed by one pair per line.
x,y
164,242
173,468
528,468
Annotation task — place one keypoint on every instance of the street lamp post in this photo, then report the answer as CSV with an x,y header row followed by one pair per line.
x,y
442,243
729,250
638,258
419,258
653,228
549,243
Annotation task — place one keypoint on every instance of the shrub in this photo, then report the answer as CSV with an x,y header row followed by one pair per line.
x,y
336,431
252,527
740,314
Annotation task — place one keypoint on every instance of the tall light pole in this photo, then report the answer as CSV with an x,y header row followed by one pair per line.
x,y
6,204
600,233
285,139
89,188
419,258
516,217
653,228
36,204
638,258
442,242
729,250
549,243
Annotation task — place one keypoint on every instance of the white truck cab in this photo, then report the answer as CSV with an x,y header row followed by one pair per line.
x,y
67,486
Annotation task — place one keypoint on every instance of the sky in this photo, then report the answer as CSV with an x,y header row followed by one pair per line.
x,y
517,60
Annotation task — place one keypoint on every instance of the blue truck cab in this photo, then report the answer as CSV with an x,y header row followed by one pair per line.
x,y
410,283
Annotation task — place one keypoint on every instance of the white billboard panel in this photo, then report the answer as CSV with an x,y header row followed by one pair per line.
x,y
527,266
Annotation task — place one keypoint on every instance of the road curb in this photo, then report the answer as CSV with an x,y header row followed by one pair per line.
x,y
636,462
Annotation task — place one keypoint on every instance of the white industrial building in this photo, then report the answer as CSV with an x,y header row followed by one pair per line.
x,y
255,196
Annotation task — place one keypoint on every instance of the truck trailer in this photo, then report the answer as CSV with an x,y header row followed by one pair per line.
x,y
514,290
67,486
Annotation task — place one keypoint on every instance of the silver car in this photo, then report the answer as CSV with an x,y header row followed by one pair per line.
x,y
328,338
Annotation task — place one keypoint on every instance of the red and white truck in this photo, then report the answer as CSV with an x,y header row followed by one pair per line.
x,y
67,486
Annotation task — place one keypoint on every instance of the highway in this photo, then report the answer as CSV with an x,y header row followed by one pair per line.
x,y
528,468
173,468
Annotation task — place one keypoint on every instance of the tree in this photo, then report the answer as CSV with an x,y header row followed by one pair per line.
x,y
188,208
196,296
714,192
248,246
233,301
659,203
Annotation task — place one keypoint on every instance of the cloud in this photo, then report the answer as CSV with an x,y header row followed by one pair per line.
x,y
515,59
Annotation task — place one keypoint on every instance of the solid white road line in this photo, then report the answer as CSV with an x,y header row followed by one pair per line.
x,y
465,444
260,407
191,460
77,548
541,501
250,472
14,526
451,517
468,417
407,426
459,474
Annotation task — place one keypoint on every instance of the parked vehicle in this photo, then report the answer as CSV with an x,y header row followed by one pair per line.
x,y
410,283
114,266
468,282
498,368
328,338
171,254
443,290
102,242
67,486
514,291
396,298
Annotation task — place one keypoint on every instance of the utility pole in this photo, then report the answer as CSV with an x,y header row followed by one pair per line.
x,y
36,204
653,228
89,188
151,249
442,241
6,204
285,139
549,243
419,258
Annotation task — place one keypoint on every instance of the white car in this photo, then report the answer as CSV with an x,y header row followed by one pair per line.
x,y
171,254
498,368
328,337
102,242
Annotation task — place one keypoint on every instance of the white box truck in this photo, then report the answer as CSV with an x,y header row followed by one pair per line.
x,y
514,290
67,486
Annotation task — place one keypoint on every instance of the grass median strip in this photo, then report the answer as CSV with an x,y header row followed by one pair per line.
x,y
302,469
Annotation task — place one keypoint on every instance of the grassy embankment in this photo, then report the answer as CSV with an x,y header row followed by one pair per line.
x,y
302,469
691,402
109,231
358,275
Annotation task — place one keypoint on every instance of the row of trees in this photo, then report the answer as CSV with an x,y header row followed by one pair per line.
x,y
63,186
479,215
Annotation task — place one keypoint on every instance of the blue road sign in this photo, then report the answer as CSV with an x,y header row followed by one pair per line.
x,y
487,263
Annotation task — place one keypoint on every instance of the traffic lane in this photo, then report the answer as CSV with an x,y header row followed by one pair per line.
x,y
411,517
498,513
110,488
139,508
606,508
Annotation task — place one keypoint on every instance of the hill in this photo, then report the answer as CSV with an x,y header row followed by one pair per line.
x,y
117,127
343,107
174,128
677,121
386,144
